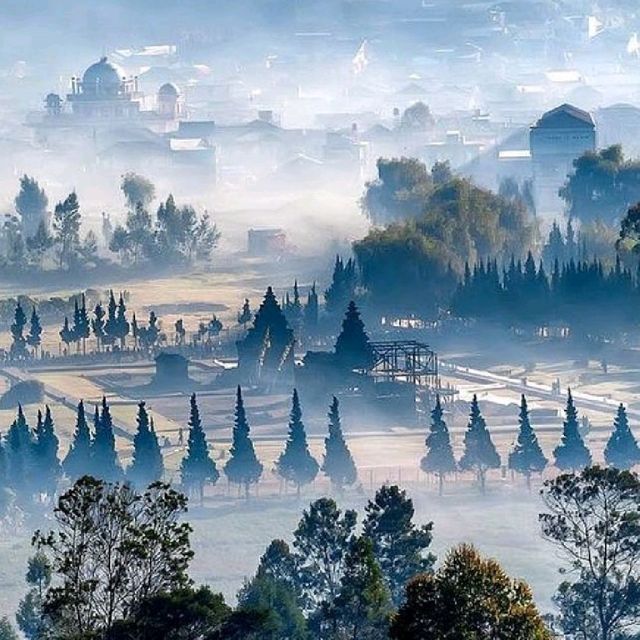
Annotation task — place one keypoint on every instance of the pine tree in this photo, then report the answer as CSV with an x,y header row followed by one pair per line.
x,y
526,457
296,464
19,448
571,454
480,454
398,544
197,467
311,313
83,330
18,343
353,349
111,323
77,462
337,465
147,465
46,463
122,325
34,339
106,465
66,333
439,458
622,450
243,467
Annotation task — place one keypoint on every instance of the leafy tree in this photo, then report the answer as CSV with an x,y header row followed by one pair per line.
x,y
31,205
146,336
46,464
622,449
103,449
275,602
417,117
67,334
182,614
593,517
398,544
66,230
197,467
571,453
18,342
526,457
243,466
337,464
112,550
78,461
353,349
136,240
34,339
31,618
296,464
321,542
363,607
147,465
441,172
439,458
39,244
137,190
480,453
468,597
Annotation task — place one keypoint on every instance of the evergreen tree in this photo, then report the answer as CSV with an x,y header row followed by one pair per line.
x,y
245,315
439,458
83,326
66,333
19,448
571,454
98,324
363,607
353,349
337,465
111,323
296,464
31,616
66,230
18,342
105,463
122,325
622,449
311,313
7,632
46,463
343,285
147,465
243,467
77,462
398,544
34,339
480,454
526,457
31,205
197,467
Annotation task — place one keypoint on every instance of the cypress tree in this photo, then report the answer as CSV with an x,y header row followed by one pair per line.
x,y
34,339
106,465
338,465
18,341
197,467
47,468
353,349
122,324
526,457
622,449
147,465
19,447
111,323
77,462
243,467
98,325
296,464
439,458
571,454
480,453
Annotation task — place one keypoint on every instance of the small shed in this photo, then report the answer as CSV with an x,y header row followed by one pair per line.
x,y
172,370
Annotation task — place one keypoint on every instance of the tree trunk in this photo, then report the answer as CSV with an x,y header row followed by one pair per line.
x,y
440,484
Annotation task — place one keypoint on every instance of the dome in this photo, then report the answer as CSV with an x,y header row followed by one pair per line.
x,y
168,90
102,75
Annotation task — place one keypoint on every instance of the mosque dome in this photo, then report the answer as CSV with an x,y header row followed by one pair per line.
x,y
102,77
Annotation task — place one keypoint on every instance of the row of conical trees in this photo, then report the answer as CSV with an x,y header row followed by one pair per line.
x,y
526,457
31,467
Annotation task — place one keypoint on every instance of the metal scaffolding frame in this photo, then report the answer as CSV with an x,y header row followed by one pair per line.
x,y
405,361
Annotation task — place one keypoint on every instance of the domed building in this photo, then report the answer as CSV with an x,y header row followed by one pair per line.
x,y
170,103
104,92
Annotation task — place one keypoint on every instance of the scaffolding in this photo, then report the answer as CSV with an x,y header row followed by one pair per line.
x,y
405,361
